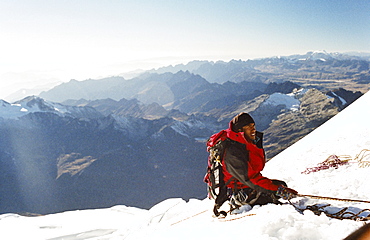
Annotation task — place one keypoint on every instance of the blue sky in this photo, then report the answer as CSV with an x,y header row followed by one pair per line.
x,y
86,39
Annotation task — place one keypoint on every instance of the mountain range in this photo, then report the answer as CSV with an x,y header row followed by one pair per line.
x,y
98,143
339,207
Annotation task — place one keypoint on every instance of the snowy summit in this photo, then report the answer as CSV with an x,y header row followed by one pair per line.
x,y
345,135
33,104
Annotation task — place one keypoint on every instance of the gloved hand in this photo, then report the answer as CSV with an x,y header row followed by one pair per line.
x,y
286,193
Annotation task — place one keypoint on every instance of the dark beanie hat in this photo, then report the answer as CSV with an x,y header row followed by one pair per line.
x,y
240,120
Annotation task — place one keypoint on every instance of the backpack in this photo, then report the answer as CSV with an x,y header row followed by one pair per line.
x,y
216,186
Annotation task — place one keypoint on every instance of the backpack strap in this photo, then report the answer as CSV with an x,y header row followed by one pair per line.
x,y
222,197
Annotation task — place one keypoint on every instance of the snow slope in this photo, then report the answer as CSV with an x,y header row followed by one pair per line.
x,y
345,134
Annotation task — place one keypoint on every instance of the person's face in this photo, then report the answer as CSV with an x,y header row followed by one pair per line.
x,y
249,132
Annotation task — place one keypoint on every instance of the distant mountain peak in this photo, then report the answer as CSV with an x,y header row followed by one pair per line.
x,y
32,104
321,55
35,103
3,103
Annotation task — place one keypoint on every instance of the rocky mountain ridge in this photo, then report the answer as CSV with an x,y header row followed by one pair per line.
x,y
323,70
169,85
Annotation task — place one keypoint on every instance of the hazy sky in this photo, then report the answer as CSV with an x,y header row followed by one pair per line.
x,y
57,40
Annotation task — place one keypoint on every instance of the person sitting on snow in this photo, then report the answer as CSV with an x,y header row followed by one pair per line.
x,y
244,159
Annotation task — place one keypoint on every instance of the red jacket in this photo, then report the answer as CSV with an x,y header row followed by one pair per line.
x,y
243,162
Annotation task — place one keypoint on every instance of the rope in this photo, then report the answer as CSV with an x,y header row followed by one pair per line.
x,y
334,161
236,218
360,158
332,198
222,219
189,217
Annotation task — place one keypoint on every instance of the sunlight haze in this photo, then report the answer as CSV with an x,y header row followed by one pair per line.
x,y
48,42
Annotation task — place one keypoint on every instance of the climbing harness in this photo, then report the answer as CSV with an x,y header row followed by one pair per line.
x,y
334,161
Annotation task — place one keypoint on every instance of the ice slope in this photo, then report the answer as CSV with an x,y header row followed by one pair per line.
x,y
345,134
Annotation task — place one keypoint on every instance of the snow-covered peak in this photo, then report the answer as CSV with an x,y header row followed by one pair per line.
x,y
291,100
184,127
32,104
15,110
319,55
3,103
35,104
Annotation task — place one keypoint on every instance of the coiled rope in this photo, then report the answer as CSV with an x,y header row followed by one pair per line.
x,y
334,161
